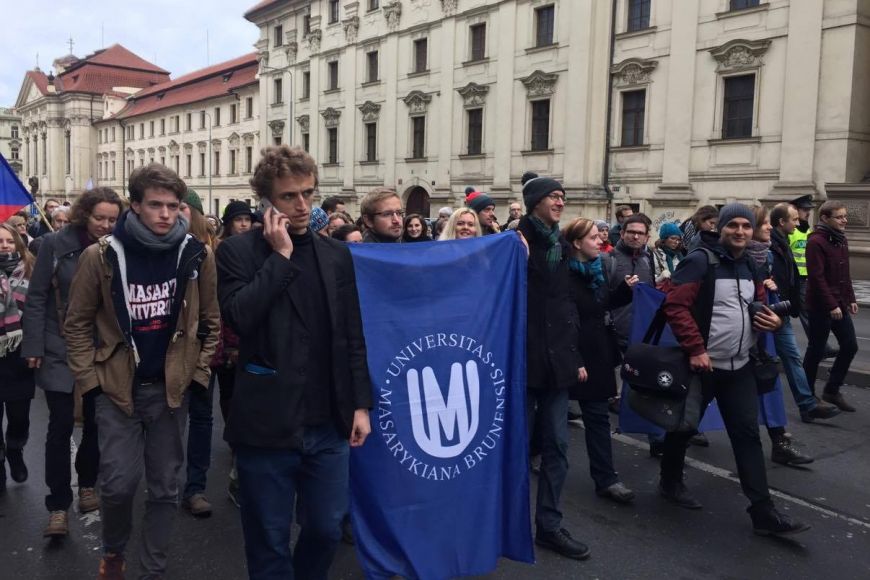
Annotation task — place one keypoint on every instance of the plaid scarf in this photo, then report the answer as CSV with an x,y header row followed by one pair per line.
x,y
13,292
554,248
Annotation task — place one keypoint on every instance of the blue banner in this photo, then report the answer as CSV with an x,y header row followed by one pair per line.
x,y
441,487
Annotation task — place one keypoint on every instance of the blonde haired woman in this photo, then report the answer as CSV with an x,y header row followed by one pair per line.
x,y
463,224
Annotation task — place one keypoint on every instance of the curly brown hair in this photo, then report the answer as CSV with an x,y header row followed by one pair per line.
x,y
84,205
281,161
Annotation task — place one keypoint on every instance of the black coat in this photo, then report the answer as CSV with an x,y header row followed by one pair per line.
x,y
597,341
785,271
552,351
266,410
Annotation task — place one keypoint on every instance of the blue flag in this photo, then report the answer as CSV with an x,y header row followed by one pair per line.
x,y
13,194
440,489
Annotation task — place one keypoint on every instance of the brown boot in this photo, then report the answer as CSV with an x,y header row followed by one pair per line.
x,y
88,500
58,525
197,505
112,567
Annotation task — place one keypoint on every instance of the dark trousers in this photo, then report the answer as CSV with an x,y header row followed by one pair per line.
x,y
269,482
548,414
821,326
61,421
17,424
226,378
596,419
199,438
804,314
736,394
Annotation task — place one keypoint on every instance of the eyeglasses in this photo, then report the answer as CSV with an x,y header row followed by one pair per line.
x,y
557,197
390,214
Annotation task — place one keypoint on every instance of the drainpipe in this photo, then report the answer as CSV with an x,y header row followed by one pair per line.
x,y
605,178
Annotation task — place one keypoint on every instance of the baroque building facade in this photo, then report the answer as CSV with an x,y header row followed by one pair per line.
x,y
10,139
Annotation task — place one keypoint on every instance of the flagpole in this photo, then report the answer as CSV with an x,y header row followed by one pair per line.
x,y
43,216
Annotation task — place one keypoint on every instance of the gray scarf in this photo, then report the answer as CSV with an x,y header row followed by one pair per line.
x,y
148,239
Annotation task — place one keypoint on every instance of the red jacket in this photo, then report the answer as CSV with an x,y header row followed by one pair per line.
x,y
829,284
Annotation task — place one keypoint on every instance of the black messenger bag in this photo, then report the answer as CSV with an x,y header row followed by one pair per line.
x,y
651,369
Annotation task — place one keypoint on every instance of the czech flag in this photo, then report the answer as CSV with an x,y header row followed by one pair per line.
x,y
13,194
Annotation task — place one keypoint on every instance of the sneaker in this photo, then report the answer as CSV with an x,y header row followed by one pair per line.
x,y
563,544
112,567
832,398
197,505
831,352
58,525
17,469
769,522
617,492
678,494
784,453
88,500
699,440
819,412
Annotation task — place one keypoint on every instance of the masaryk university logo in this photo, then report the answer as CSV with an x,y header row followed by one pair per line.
x,y
440,408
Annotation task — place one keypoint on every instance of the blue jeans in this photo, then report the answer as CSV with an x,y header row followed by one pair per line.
x,y
548,418
787,350
199,438
269,482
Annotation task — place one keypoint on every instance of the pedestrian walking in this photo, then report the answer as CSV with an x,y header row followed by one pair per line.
x,y
141,328
667,254
93,216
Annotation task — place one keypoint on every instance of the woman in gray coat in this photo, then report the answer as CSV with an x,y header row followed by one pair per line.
x,y
93,215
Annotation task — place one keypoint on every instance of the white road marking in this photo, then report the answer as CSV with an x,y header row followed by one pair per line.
x,y
725,474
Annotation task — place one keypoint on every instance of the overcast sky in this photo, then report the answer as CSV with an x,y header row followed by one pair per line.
x,y
169,33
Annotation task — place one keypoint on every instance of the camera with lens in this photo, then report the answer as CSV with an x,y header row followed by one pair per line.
x,y
781,309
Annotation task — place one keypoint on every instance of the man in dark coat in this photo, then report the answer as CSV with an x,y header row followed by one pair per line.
x,y
302,393
553,361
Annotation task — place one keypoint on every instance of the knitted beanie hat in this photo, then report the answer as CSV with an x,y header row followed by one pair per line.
x,y
469,189
536,188
192,199
478,201
602,225
735,210
669,229
319,219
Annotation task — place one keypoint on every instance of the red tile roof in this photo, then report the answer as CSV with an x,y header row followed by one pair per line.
x,y
214,81
39,79
260,6
118,56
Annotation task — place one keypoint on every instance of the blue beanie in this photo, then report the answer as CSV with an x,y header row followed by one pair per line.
x,y
319,219
669,229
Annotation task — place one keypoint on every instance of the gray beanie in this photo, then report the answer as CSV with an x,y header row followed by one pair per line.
x,y
735,210
601,224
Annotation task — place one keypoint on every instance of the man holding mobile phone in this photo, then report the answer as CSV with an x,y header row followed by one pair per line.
x,y
302,393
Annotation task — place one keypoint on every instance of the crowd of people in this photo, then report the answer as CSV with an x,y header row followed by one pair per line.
x,y
130,313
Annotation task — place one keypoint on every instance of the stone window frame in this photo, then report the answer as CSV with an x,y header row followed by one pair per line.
x,y
532,26
738,57
539,86
474,97
632,74
370,112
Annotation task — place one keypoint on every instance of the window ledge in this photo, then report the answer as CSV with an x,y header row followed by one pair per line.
x,y
278,104
416,159
629,148
371,83
734,141
472,156
543,48
332,91
303,99
634,33
418,73
752,9
336,164
369,162
537,152
483,60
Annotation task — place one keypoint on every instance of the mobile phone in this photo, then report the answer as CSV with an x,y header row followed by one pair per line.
x,y
266,204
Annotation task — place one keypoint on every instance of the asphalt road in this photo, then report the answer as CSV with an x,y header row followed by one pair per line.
x,y
651,539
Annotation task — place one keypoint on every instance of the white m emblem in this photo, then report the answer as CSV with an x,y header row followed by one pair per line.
x,y
444,428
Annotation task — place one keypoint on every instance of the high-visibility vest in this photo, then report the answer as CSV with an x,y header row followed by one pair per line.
x,y
798,242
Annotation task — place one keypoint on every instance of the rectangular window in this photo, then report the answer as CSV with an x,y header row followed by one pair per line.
x,y
234,113
371,142
332,141
113,170
202,119
638,14
332,75
249,108
544,23
306,142
202,167
278,86
374,4
278,35
249,158
477,42
67,153
541,125
306,84
372,66
633,114
418,137
738,107
232,161
141,130
113,134
217,117
306,24
475,131
188,165
188,121
175,161
276,140
216,168
333,11
162,160
15,131
421,50
743,4
14,151
150,128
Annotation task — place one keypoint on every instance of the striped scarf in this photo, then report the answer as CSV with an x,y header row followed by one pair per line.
x,y
13,293
554,248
